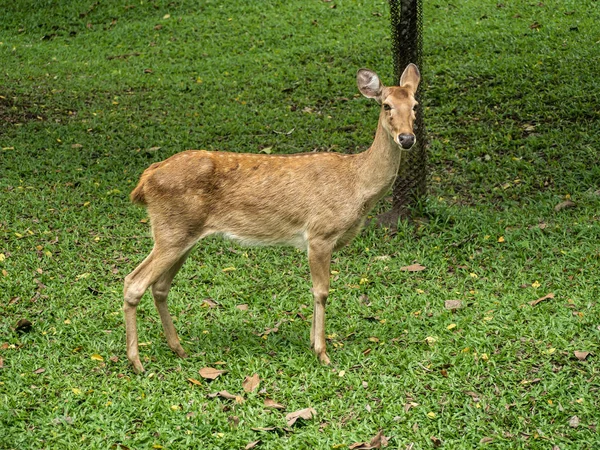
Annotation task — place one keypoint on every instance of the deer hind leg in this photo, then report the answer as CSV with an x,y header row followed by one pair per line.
x,y
161,259
319,260
160,291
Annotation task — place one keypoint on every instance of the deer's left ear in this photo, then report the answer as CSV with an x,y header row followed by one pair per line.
x,y
410,78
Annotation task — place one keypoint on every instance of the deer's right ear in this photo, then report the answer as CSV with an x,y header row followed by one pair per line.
x,y
369,84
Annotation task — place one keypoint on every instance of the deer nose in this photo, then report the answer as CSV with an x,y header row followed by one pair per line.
x,y
406,141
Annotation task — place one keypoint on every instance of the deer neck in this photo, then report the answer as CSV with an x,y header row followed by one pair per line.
x,y
379,165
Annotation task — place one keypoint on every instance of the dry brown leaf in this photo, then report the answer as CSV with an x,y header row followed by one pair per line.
x,y
581,356
563,205
413,268
243,307
541,299
40,370
453,304
226,395
210,303
234,421
486,440
23,326
114,359
437,442
210,373
409,405
270,403
1,362
194,381
251,445
264,428
378,441
251,383
306,414
574,422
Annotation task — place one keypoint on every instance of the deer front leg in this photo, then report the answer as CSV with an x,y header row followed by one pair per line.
x,y
319,260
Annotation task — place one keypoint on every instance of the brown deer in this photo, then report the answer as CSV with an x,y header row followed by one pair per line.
x,y
314,201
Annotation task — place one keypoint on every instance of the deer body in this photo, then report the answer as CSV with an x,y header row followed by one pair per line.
x,y
314,201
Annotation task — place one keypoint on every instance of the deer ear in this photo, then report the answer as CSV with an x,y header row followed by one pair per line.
x,y
410,78
369,84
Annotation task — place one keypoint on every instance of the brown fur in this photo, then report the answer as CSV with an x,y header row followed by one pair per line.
x,y
314,201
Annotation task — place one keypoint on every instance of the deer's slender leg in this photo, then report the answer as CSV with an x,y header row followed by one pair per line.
x,y
160,260
160,291
319,260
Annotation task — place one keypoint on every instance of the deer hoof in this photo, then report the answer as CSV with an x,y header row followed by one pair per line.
x,y
324,359
181,352
137,366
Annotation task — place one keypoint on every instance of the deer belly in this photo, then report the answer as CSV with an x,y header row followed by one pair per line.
x,y
297,239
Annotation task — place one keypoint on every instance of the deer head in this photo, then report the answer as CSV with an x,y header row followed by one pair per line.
x,y
397,103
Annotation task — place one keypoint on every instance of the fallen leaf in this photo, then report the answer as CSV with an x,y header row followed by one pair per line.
x,y
210,373
251,445
535,380
431,340
574,422
243,307
114,359
97,357
267,150
453,305
209,302
226,395
194,381
234,421
40,370
413,268
23,326
437,442
306,414
541,299
581,356
264,428
251,383
563,205
270,403
486,440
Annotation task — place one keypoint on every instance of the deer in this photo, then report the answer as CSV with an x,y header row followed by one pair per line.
x,y
315,201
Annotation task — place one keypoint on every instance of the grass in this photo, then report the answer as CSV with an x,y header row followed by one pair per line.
x,y
92,93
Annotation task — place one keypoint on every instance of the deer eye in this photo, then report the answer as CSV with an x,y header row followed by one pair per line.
x,y
386,107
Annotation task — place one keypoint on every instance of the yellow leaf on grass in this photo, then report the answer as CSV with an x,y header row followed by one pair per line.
x,y
2,257
228,269
76,391
501,239
175,407
97,357
536,284
431,415
451,326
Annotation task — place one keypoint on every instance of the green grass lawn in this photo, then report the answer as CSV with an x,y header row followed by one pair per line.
x,y
91,93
